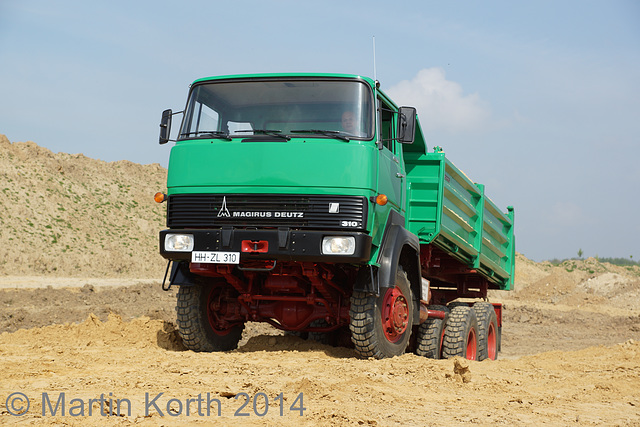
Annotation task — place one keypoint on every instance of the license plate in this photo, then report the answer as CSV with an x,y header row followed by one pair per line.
x,y
216,257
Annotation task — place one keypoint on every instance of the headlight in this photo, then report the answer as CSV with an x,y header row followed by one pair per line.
x,y
339,245
178,242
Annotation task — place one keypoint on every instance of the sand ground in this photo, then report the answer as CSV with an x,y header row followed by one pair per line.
x,y
106,351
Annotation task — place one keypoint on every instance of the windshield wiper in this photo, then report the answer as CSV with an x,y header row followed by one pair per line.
x,y
208,133
334,133
269,132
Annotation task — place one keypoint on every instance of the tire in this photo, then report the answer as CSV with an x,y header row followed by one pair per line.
x,y
461,334
488,335
430,335
320,337
381,325
199,325
455,304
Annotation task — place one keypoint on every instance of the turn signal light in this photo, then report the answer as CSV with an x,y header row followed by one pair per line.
x,y
159,197
381,199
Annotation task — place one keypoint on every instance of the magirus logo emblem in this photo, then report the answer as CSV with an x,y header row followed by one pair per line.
x,y
224,212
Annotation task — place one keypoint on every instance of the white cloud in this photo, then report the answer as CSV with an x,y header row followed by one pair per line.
x,y
441,103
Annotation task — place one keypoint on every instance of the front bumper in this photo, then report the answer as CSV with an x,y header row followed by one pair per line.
x,y
285,245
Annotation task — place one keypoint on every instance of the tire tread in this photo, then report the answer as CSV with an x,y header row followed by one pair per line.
x,y
192,323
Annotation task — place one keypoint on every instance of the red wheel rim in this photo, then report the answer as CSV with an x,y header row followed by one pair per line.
x,y
472,345
395,314
492,342
216,309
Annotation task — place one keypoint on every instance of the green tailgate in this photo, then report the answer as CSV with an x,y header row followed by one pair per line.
x,y
446,208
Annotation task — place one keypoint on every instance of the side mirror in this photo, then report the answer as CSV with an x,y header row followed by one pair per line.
x,y
165,126
406,125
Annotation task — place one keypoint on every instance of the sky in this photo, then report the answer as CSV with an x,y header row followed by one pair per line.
x,y
537,100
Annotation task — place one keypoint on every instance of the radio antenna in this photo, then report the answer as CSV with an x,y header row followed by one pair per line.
x,y
375,94
375,77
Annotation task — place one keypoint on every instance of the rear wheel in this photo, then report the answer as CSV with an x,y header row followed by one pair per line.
x,y
455,304
487,331
321,337
381,325
461,334
202,318
430,335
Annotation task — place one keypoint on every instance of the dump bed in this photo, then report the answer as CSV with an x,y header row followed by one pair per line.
x,y
446,209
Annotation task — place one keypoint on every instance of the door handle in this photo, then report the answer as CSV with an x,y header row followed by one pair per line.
x,y
400,175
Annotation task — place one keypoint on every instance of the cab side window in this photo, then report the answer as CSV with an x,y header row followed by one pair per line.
x,y
386,125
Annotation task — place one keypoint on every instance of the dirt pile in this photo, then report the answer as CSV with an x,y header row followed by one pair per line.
x,y
578,283
69,215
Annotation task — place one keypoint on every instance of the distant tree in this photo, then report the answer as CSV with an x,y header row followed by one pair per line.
x,y
580,253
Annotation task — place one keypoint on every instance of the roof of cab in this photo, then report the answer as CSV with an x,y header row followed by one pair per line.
x,y
286,75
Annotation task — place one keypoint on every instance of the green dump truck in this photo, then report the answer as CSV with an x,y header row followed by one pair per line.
x,y
311,202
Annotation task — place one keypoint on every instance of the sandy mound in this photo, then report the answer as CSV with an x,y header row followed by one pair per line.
x,y
69,215
576,283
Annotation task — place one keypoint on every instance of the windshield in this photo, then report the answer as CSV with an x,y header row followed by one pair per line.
x,y
294,107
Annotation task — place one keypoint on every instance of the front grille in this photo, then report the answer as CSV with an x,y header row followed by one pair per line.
x,y
282,210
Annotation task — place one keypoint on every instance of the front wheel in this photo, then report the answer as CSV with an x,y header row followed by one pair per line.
x,y
381,325
205,319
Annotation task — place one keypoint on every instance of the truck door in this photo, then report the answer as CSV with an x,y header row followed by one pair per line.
x,y
391,176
